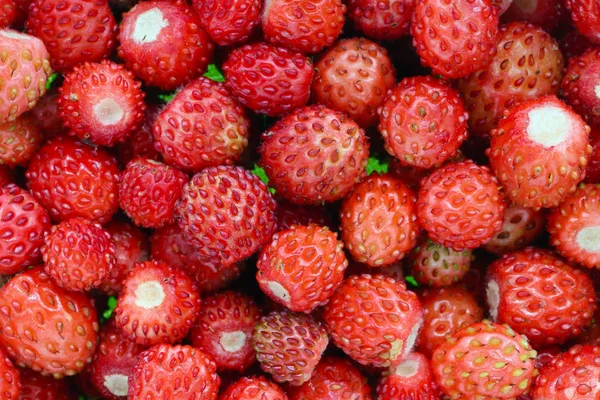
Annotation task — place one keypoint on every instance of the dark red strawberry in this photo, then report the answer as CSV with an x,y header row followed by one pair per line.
x,y
578,88
6,176
394,271
141,142
435,265
19,140
546,14
8,13
381,20
412,379
289,214
574,44
10,380
45,115
592,172
228,22
585,15
253,388
37,387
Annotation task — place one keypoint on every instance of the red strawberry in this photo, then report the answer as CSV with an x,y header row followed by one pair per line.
x,y
484,360
546,14
528,64
572,375
302,267
592,172
307,26
71,179
171,372
539,152
19,140
203,126
586,18
163,44
158,304
10,380
423,122
78,254
224,330
227,213
591,334
381,20
356,322
412,379
8,13
37,387
6,176
314,155
24,70
546,355
460,205
540,296
578,88
290,214
353,77
253,388
23,224
435,265
394,271
379,221
46,328
101,102
45,115
228,22
289,346
574,44
268,79
141,142
455,39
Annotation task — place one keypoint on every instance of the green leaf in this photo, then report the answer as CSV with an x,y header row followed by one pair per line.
x,y
378,164
112,303
260,172
412,281
51,80
214,74
166,97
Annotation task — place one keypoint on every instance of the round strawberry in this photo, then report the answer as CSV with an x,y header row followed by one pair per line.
x,y
578,88
71,179
314,155
353,77
539,152
289,346
23,224
586,18
302,267
158,304
268,79
592,172
435,265
547,14
224,330
460,205
412,379
381,19
163,44
8,13
46,328
141,142
45,115
356,322
166,371
253,388
228,22
423,122
203,126
24,70
19,140
101,102
379,221
37,387
10,380
540,296
290,214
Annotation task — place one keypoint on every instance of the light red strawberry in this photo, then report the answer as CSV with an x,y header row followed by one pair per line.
x,y
381,20
435,265
578,88
253,388
228,22
45,115
19,140
8,13
37,387
289,214
412,379
547,14
10,379
141,142
585,15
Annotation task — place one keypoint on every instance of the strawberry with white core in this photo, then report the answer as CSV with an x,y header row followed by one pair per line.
x,y
411,379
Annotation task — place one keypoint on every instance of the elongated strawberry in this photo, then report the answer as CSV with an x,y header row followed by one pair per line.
x,y
412,379
19,140
228,23
585,15
435,265
10,380
381,20
253,388
546,14
578,88
37,387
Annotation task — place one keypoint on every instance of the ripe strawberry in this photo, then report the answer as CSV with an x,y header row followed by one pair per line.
x,y
540,296
46,328
141,142
307,26
574,44
37,387
158,304
592,172
302,267
101,102
253,388
591,334
528,64
166,372
25,68
412,379
228,22
381,20
394,271
289,346
163,44
379,221
203,126
314,155
8,13
268,79
23,224
578,88
460,205
435,265
547,14
71,179
6,176
10,380
45,115
585,15
290,214
539,152
227,213
333,378
353,77
224,330
355,319
446,310
19,140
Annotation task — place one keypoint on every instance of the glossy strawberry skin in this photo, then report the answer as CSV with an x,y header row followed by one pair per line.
x,y
413,379
228,23
37,387
579,85
435,265
23,224
8,13
20,139
253,388
586,18
46,328
10,380
381,20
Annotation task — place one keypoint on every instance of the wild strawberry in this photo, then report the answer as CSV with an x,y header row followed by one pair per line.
x,y
37,387
314,155
227,213
592,172
539,152
19,140
253,388
45,115
585,15
71,179
528,64
203,126
354,318
578,88
289,346
353,77
141,142
8,13
381,20
158,304
163,44
268,79
574,44
394,271
10,380
435,265
591,334
46,328
101,102
290,214
6,176
379,221
307,26
302,267
547,14
23,224
446,310
224,330
460,205
24,70
228,23
540,296
166,371
412,379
